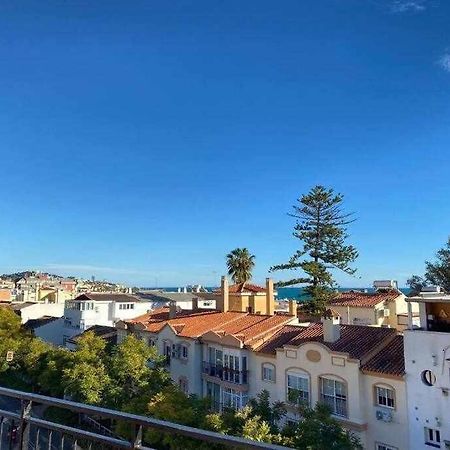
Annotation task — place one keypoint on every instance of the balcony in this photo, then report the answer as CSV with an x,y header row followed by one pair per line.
x,y
23,428
225,373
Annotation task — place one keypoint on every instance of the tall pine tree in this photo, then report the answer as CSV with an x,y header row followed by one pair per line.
x,y
321,226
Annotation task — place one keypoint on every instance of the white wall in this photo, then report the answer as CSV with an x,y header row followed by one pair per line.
x,y
428,406
38,310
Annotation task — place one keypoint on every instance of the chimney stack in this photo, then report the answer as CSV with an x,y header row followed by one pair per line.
x,y
270,298
172,310
225,304
195,304
331,327
292,307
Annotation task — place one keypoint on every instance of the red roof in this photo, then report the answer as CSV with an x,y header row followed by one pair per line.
x,y
364,299
246,327
389,360
356,340
243,287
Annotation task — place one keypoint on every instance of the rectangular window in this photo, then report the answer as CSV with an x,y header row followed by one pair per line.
x,y
385,447
432,437
268,373
233,399
297,388
184,352
334,394
385,397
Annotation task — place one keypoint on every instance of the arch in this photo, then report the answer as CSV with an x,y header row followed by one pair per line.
x,y
301,391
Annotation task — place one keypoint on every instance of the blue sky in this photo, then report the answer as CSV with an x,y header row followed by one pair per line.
x,y
141,141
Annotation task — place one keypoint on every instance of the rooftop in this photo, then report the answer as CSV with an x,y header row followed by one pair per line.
x,y
364,299
32,324
108,296
243,288
244,326
358,341
389,360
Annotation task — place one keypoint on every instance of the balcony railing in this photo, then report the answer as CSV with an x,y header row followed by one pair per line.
x,y
25,429
225,373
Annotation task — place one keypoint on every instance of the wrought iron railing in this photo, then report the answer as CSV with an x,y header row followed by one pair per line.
x,y
225,373
22,427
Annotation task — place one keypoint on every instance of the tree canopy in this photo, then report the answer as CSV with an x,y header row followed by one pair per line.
x,y
240,264
437,272
321,227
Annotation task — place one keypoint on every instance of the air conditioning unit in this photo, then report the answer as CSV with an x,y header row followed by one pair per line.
x,y
385,416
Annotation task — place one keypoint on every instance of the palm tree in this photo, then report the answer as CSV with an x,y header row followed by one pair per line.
x,y
240,264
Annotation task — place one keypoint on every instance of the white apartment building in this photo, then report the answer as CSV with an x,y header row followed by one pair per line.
x,y
427,364
91,309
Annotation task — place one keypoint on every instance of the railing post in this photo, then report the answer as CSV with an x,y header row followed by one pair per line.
x,y
24,427
138,440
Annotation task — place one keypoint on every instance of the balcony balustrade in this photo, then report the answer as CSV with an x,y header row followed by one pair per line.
x,y
22,427
225,373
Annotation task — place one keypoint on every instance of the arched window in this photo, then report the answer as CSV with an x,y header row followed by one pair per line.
x,y
297,386
333,392
268,372
384,395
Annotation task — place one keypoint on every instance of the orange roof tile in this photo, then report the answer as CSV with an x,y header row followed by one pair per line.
x,y
247,327
364,299
356,340
389,360
243,287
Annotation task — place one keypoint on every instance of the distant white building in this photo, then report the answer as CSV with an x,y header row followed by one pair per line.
x,y
91,309
183,300
427,365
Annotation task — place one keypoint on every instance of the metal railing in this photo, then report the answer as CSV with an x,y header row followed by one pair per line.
x,y
24,429
225,373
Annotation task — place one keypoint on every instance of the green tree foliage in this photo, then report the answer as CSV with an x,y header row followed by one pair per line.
x,y
436,273
321,226
11,336
86,379
240,264
319,431
135,369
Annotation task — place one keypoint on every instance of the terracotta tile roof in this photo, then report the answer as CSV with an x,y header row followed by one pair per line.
x,y
247,327
364,299
243,287
389,360
357,340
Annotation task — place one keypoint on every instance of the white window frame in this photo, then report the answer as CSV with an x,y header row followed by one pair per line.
x,y
381,446
386,395
234,399
298,385
268,368
432,437
335,398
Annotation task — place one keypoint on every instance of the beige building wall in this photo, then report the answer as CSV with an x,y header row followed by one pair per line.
x,y
381,431
316,360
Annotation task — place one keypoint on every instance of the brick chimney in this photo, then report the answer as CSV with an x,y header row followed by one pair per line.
x,y
172,310
225,300
331,327
270,298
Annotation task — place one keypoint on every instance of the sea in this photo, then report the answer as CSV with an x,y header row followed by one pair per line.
x,y
284,292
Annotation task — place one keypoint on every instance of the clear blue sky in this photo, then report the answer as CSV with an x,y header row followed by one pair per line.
x,y
141,141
